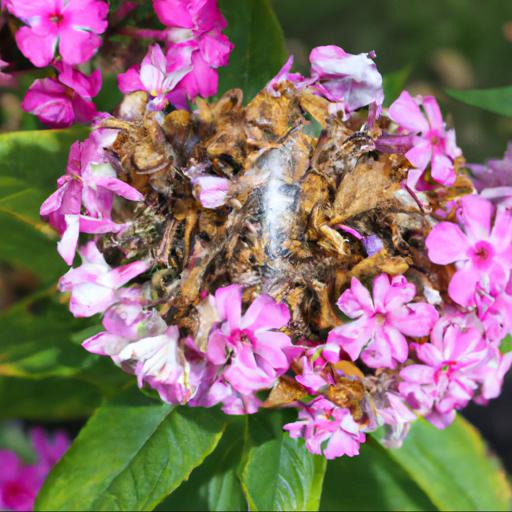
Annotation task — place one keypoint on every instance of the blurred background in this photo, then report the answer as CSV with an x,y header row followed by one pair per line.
x,y
442,44
458,44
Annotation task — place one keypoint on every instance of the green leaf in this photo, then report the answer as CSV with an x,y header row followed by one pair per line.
x,y
27,241
394,83
453,467
131,454
506,344
39,157
371,481
214,485
279,473
260,49
55,399
36,341
498,100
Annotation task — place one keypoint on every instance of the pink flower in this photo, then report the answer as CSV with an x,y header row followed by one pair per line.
x,y
451,371
160,361
95,286
495,173
493,375
252,353
284,75
194,30
155,76
207,53
378,333
189,18
211,191
432,142
352,80
72,26
482,252
19,482
60,102
327,429
89,182
124,322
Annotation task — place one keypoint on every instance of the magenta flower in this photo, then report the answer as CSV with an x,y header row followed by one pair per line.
x,y
482,252
189,18
327,429
352,80
72,26
432,142
208,53
194,32
155,76
95,286
253,353
60,102
19,482
89,182
451,371
379,332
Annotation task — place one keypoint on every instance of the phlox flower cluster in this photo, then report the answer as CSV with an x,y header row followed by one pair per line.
x,y
20,481
398,349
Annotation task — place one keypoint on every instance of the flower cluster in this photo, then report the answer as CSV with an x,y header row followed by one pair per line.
x,y
20,482
195,48
239,261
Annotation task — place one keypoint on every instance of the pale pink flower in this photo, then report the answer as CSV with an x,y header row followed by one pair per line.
x,y
328,430
252,353
494,174
493,375
353,81
95,286
211,191
59,102
482,252
160,361
155,76
378,333
72,26
432,143
284,75
450,374
20,482
83,200
124,322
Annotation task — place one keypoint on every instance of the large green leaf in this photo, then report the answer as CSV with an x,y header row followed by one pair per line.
x,y
26,241
132,453
260,49
214,485
39,157
371,481
498,100
54,399
30,163
278,472
453,467
37,341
